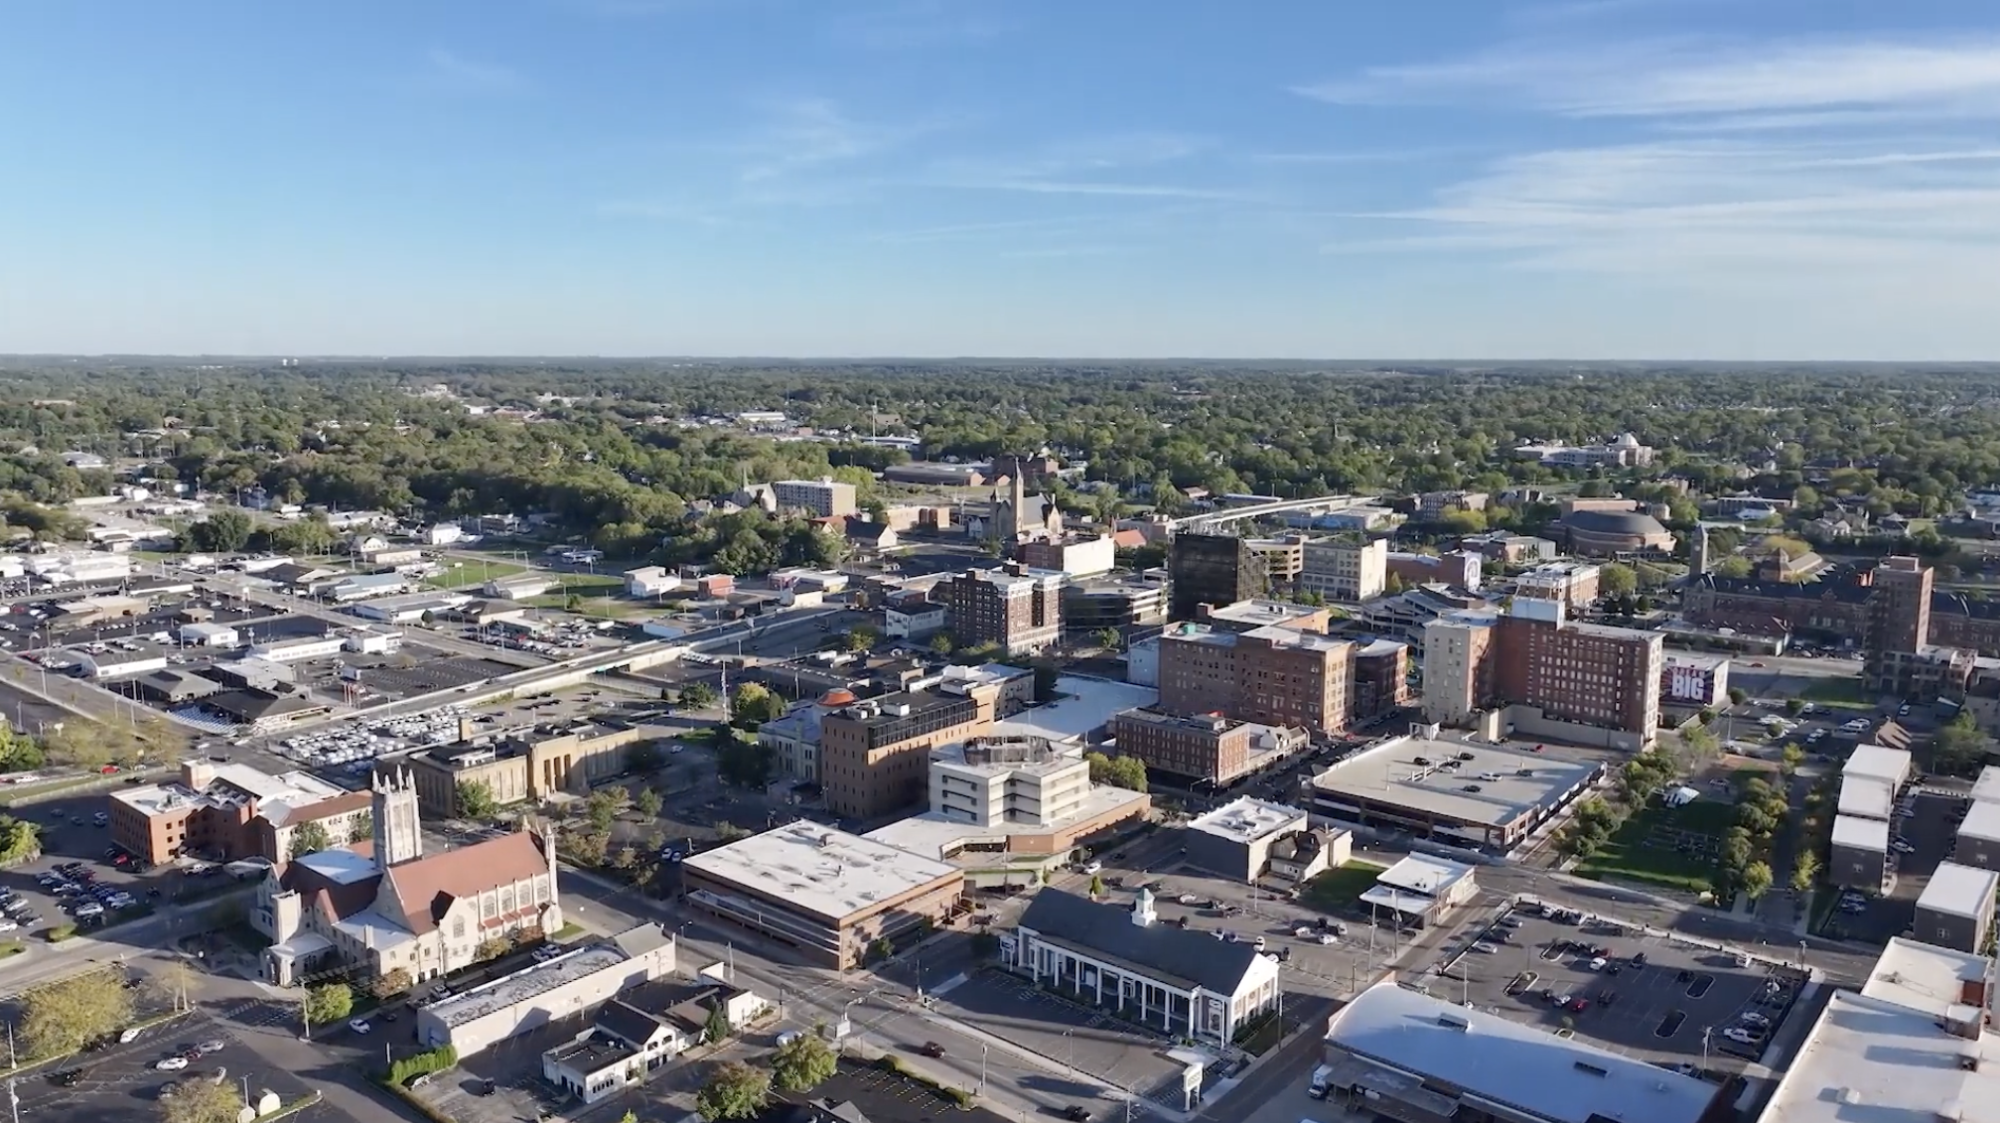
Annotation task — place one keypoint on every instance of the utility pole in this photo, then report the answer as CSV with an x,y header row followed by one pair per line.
x,y
982,1068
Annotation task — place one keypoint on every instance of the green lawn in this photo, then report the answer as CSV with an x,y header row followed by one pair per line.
x,y
1845,693
471,573
1626,857
1337,889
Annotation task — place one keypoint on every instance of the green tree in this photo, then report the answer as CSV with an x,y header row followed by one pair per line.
x,y
328,1003
310,837
1128,772
1096,885
861,637
754,704
603,806
698,696
1392,584
1756,880
1805,870
200,1100
803,1063
941,643
1109,639
746,764
649,803
1795,706
718,1026
363,827
1737,696
572,603
222,532
1616,579
880,948
493,947
1960,747
1733,567
1790,759
733,1091
393,983
59,1017
475,799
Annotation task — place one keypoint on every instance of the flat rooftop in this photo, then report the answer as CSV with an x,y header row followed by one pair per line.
x,y
1876,762
1261,613
1492,1058
1085,704
815,869
528,983
1248,820
1922,976
1421,873
1872,1059
1510,783
1956,890
232,785
1981,822
933,835
1986,789
1861,833
1866,797
1005,755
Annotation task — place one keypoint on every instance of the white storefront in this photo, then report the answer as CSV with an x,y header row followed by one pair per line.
x,y
1185,983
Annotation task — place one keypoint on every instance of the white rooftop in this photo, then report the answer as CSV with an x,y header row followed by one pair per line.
x,y
1260,612
1986,789
339,864
1006,756
1878,762
1861,834
1530,1070
1956,890
819,870
275,795
1981,822
1421,873
1924,977
527,983
1086,704
1866,797
934,835
1248,820
1389,773
1871,1060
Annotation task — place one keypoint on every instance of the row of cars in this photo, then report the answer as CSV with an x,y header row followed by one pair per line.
x,y
357,746
77,890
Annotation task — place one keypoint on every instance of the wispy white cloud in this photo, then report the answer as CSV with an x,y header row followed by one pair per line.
x,y
1134,165
812,133
1689,76
455,73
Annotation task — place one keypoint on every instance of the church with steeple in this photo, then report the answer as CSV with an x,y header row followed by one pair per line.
x,y
382,906
1020,517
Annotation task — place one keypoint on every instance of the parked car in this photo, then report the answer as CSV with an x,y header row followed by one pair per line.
x,y
359,1025
931,1049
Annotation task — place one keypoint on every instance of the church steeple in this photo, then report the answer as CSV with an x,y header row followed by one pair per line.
x,y
399,835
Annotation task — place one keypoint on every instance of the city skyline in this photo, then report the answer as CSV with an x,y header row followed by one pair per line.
x,y
1606,179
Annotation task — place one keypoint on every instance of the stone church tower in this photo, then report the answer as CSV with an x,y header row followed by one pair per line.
x,y
399,834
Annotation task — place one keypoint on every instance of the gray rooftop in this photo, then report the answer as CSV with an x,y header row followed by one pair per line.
x,y
1183,956
1389,773
527,983
1491,1058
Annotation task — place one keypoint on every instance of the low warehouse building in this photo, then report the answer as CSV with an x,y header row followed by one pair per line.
x,y
1467,794
208,635
1420,890
826,892
546,992
1244,839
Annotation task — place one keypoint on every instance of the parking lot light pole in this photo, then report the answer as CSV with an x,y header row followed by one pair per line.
x,y
982,1068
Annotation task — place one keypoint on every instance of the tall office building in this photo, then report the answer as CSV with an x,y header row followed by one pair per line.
x,y
1275,676
1896,653
1015,608
1344,569
1583,675
1213,569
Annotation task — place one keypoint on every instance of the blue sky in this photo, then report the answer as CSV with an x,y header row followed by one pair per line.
x,y
1749,179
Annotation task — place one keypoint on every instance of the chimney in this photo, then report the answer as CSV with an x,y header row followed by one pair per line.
x,y
1973,990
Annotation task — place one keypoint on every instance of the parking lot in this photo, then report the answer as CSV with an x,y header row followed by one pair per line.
x,y
1102,1044
71,834
123,1084
1682,1004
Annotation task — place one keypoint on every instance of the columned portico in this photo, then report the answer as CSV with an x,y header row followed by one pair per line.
x,y
1154,996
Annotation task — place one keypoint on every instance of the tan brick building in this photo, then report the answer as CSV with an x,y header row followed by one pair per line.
x,y
874,756
1015,608
1201,746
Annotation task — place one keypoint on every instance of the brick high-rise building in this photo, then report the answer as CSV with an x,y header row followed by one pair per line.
x,y
1584,675
1018,609
1211,569
874,756
1899,622
1276,676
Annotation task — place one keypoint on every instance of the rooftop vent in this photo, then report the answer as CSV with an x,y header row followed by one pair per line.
x,y
1453,1021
